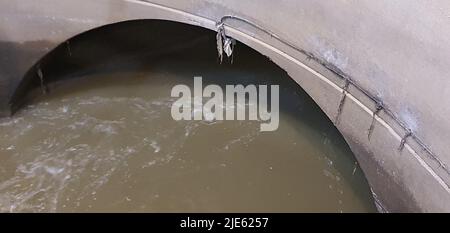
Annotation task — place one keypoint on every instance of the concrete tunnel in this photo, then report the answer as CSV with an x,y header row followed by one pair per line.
x,y
378,69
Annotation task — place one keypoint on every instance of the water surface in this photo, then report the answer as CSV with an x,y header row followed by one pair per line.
x,y
105,141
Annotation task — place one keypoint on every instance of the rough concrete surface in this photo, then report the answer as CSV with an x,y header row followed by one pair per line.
x,y
397,51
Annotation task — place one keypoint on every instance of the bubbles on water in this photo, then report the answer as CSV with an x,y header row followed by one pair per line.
x,y
49,165
155,146
54,170
243,139
64,109
149,164
105,128
85,152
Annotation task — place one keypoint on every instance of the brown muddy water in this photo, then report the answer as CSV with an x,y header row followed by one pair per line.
x,y
106,142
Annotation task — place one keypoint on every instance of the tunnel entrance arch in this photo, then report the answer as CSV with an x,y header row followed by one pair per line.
x,y
110,51
393,174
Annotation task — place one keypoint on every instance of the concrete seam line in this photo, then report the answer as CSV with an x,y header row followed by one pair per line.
x,y
347,78
209,24
357,102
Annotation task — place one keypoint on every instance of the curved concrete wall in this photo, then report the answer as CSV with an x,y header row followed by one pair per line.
x,y
350,56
